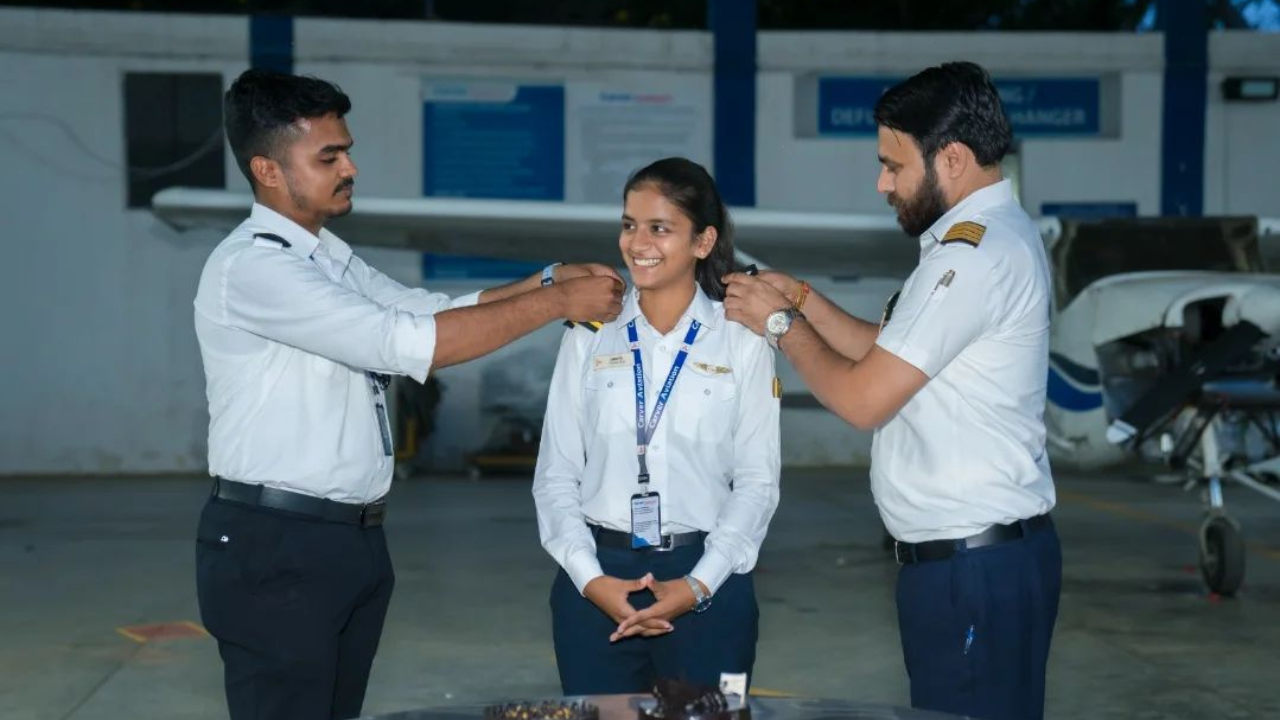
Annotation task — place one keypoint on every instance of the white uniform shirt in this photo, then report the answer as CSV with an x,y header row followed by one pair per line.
x,y
287,334
968,450
714,457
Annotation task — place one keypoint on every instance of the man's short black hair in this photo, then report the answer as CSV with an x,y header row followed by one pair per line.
x,y
262,105
954,102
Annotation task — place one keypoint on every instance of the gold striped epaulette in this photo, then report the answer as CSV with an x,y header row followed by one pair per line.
x,y
967,232
592,325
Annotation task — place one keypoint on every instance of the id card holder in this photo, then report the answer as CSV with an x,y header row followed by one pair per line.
x,y
383,429
646,521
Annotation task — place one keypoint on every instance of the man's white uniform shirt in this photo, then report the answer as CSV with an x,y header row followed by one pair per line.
x,y
714,457
287,334
968,450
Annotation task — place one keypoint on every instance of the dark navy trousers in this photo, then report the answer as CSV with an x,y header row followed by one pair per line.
x,y
297,606
703,645
976,628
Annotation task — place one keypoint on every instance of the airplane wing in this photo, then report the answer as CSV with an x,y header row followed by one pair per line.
x,y
832,244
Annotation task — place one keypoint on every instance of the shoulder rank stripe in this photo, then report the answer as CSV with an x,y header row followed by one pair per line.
x,y
967,232
273,238
592,325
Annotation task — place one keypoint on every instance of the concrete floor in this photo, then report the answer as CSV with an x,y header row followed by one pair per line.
x,y
1137,636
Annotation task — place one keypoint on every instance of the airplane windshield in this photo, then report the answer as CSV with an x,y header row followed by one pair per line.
x,y
1095,250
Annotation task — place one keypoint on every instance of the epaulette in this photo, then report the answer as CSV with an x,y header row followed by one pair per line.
x,y
270,238
592,325
967,232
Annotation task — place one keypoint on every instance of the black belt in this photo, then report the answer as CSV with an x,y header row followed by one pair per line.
x,y
907,553
370,515
618,539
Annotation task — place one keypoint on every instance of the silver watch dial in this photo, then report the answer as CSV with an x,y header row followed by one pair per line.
x,y
778,323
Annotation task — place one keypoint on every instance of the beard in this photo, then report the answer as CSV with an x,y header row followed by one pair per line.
x,y
304,203
919,212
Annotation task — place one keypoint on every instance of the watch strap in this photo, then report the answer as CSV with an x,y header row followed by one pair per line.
x,y
549,273
702,601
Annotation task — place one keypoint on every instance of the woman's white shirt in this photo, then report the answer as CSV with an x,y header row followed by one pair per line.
x,y
714,457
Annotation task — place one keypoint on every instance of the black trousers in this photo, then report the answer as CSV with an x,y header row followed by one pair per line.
x,y
976,628
703,645
296,605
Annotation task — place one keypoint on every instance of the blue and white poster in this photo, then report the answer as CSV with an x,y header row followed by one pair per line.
x,y
1037,107
616,128
487,139
490,139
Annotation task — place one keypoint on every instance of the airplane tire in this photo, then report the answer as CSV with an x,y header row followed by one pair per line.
x,y
1221,555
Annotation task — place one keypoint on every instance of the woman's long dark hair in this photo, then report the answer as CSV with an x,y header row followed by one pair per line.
x,y
688,186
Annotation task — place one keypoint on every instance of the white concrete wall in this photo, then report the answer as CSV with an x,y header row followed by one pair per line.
x,y
1242,139
103,373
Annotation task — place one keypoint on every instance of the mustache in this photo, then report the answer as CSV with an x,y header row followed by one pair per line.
x,y
344,185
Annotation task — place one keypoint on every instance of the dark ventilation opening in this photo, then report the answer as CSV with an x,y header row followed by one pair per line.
x,y
173,133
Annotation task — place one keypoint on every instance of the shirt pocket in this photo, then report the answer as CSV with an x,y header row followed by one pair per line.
x,y
610,401
708,406
928,308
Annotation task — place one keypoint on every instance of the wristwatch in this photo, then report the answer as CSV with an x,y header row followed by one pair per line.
x,y
778,323
549,273
703,600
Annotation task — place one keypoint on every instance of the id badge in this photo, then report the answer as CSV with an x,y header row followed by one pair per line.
x,y
646,521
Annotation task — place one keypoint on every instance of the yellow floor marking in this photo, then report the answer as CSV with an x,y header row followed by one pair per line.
x,y
162,631
766,692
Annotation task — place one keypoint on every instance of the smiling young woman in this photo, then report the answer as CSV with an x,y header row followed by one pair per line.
x,y
658,469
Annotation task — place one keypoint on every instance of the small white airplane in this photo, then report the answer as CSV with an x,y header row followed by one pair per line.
x,y
1165,339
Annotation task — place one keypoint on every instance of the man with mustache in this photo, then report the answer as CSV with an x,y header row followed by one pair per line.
x,y
953,380
299,339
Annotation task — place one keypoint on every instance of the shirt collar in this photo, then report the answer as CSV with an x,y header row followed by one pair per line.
x,y
338,250
701,309
974,203
301,242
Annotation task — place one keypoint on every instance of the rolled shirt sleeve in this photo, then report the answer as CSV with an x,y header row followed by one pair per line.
x,y
288,299
417,301
945,306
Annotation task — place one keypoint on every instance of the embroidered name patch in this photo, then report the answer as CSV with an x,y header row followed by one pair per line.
x,y
607,362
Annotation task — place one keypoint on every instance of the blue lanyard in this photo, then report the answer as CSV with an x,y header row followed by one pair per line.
x,y
643,434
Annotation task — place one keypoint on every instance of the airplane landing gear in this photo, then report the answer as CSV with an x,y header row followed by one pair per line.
x,y
1222,556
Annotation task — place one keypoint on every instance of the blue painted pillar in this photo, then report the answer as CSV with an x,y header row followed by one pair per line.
x,y
271,42
733,29
1186,80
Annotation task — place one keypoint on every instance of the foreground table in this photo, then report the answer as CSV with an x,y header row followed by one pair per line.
x,y
623,707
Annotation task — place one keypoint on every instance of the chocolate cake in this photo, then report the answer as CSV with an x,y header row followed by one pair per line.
x,y
677,700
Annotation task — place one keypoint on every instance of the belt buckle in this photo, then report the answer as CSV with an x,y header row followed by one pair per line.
x,y
668,544
897,552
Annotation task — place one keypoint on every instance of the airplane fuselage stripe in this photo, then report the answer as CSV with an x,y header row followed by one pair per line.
x,y
1074,370
1068,397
